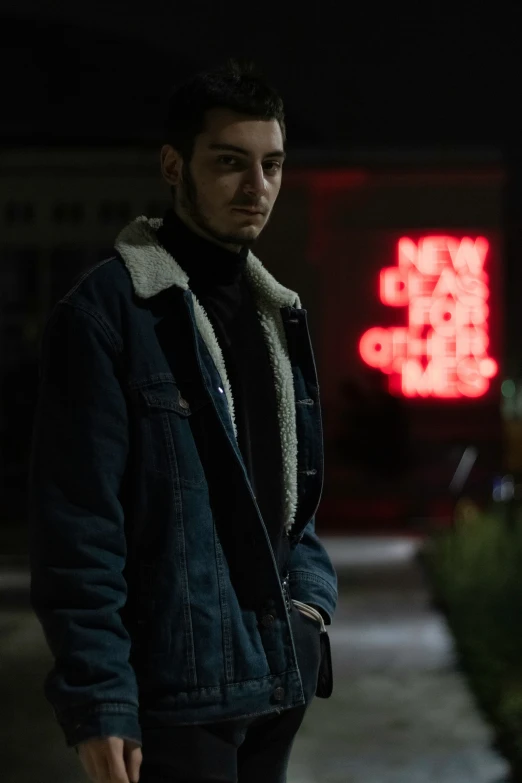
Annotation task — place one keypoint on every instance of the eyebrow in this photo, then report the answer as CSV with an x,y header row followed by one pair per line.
x,y
232,148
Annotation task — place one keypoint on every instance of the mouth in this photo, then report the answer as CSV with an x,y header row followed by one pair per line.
x,y
248,211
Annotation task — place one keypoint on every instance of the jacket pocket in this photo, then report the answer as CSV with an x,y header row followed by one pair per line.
x,y
324,684
310,612
168,423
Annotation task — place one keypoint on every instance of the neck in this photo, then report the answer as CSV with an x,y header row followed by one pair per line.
x,y
193,226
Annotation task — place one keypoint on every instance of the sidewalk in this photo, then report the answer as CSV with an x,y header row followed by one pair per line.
x,y
400,712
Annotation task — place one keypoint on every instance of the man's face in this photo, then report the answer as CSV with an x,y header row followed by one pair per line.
x,y
227,190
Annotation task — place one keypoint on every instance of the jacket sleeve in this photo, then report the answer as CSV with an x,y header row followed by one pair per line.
x,y
76,527
313,579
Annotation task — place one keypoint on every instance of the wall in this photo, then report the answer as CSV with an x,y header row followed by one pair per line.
x,y
331,233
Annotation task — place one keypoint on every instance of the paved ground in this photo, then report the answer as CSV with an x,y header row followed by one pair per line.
x,y
399,713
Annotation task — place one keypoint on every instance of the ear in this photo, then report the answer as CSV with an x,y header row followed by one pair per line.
x,y
171,164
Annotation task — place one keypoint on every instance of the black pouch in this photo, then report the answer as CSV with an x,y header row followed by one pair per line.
x,y
325,676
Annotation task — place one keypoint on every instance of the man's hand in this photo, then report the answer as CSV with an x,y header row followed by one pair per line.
x,y
111,760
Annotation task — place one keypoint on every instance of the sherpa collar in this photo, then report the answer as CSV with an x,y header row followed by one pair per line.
x,y
152,270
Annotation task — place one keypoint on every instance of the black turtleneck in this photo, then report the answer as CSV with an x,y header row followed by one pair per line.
x,y
216,277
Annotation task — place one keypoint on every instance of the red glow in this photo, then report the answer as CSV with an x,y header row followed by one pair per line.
x,y
442,352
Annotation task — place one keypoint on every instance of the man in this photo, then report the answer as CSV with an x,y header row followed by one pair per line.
x,y
177,467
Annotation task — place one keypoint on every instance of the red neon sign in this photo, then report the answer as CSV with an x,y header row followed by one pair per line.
x,y
443,349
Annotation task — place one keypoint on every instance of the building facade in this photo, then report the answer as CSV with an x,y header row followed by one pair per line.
x,y
334,236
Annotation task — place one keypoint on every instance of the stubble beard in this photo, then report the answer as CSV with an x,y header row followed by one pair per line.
x,y
189,202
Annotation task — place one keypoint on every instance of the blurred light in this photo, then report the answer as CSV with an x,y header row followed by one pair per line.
x,y
443,350
464,467
488,368
508,388
504,489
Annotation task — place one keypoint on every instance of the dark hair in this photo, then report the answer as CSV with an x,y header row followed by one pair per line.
x,y
237,85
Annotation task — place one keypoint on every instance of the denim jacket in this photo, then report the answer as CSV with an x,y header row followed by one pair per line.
x,y
155,604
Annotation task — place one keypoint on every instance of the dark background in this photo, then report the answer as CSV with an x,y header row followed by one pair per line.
x,y
351,74
414,88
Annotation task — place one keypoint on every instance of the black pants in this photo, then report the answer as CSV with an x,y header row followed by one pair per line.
x,y
253,750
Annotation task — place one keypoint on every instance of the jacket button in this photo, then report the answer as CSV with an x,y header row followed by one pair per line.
x,y
279,694
267,620
183,403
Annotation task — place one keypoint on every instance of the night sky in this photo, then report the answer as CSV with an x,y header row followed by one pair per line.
x,y
352,75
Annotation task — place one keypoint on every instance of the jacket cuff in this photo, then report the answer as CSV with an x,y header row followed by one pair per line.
x,y
326,617
311,589
106,720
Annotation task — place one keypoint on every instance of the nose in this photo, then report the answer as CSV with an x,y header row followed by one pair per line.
x,y
255,182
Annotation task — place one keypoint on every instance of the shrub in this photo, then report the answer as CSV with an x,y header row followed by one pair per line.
x,y
476,570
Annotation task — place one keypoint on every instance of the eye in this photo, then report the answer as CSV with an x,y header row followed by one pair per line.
x,y
273,166
227,160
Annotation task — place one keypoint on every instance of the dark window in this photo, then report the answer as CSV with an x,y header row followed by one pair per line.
x,y
19,212
114,211
68,212
18,279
